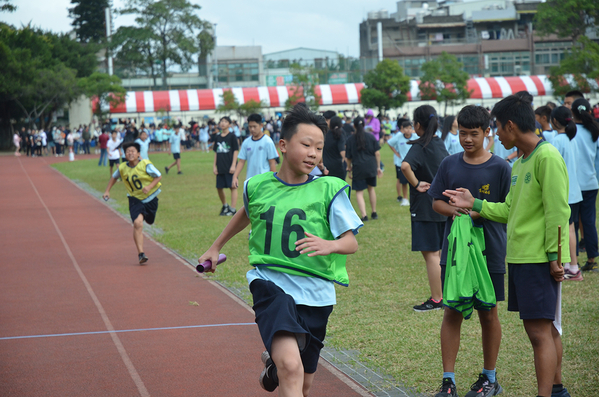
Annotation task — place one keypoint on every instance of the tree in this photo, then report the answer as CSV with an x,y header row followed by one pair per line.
x,y
6,6
566,18
89,19
303,87
386,87
106,88
169,29
582,62
444,80
229,104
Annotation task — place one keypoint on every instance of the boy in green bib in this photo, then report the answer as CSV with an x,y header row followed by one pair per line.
x,y
303,227
142,181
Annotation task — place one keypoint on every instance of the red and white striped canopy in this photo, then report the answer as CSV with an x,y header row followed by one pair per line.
x,y
334,94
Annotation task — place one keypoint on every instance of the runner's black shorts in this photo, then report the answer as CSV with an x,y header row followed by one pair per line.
x,y
148,210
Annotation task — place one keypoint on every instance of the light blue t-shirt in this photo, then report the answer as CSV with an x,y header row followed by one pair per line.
x,y
204,135
549,135
256,155
452,144
312,291
175,141
586,154
566,148
150,170
144,146
400,143
501,151
159,135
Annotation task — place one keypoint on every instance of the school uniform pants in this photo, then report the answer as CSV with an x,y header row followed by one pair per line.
x,y
588,216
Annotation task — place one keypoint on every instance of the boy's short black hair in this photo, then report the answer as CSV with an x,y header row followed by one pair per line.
x,y
518,109
127,145
301,114
473,116
329,114
544,111
226,118
255,117
574,94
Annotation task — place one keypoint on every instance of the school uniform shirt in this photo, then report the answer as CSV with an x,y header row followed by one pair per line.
x,y
425,162
586,154
566,148
452,144
256,154
501,151
112,147
489,181
224,147
363,161
143,145
175,141
331,154
549,135
159,136
536,204
400,143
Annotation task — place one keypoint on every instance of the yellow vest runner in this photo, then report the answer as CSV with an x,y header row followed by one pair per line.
x,y
136,178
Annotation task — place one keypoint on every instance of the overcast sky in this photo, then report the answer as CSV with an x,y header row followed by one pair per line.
x,y
273,24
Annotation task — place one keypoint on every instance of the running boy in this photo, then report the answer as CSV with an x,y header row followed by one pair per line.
x,y
175,142
142,181
302,228
225,149
259,151
533,209
399,145
488,177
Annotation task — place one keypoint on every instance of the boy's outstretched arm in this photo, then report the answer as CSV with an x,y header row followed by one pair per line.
x,y
111,183
344,245
239,222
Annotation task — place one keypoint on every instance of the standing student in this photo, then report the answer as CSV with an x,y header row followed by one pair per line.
x,y
225,162
142,181
488,177
144,144
543,117
158,136
113,146
587,148
449,135
16,140
570,97
419,167
302,229
399,146
258,151
561,119
364,162
333,153
175,148
102,141
372,124
534,208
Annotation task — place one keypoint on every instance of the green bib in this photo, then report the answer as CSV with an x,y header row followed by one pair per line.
x,y
281,214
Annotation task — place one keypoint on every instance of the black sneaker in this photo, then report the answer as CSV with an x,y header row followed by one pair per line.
x,y
231,211
365,219
447,389
399,199
166,169
484,388
582,247
224,210
180,172
589,267
142,258
268,378
429,305
374,216
561,393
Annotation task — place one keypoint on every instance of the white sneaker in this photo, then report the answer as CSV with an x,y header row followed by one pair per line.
x,y
405,202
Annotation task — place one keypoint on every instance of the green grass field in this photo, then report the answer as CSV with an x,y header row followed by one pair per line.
x,y
374,315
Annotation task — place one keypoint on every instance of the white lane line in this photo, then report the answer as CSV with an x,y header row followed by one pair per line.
x,y
115,339
124,330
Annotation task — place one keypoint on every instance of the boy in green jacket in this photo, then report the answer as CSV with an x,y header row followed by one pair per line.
x,y
534,208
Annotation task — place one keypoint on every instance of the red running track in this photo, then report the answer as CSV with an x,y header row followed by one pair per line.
x,y
80,317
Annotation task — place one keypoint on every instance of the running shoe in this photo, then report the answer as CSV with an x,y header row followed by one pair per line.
x,y
405,202
374,216
589,267
582,246
224,210
569,275
399,199
562,393
166,169
365,219
429,305
447,389
230,211
484,388
268,377
142,258
180,172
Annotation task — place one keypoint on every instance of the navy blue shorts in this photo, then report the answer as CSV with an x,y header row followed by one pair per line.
x,y
362,184
224,181
148,210
400,175
176,156
276,312
497,279
427,236
574,212
532,291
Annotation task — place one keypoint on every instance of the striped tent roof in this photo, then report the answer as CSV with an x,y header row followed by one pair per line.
x,y
333,94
